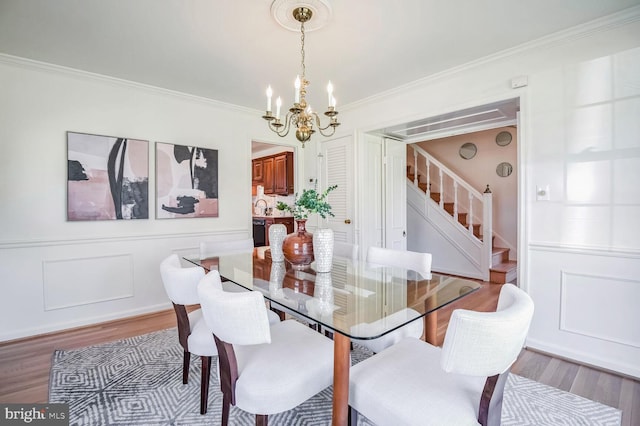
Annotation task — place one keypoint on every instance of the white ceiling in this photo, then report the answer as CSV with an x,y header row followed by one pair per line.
x,y
230,50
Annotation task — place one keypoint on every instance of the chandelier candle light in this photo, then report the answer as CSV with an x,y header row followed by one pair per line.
x,y
300,114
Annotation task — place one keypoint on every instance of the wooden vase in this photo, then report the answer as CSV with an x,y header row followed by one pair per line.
x,y
298,246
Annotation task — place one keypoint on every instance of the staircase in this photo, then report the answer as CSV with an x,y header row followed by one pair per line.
x,y
500,268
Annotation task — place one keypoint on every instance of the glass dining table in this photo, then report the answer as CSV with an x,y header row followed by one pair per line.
x,y
353,294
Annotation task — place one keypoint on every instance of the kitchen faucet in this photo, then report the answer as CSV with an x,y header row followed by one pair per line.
x,y
265,204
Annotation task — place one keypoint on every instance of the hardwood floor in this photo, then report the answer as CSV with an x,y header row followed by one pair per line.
x,y
25,364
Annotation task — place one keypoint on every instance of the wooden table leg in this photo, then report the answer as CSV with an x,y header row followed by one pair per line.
x,y
431,328
341,361
431,321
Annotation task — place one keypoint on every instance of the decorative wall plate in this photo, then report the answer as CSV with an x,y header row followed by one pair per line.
x,y
503,138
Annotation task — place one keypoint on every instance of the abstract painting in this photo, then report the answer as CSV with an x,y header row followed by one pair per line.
x,y
107,177
186,181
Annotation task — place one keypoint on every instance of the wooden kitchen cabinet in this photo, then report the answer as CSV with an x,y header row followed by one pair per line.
x,y
286,221
283,173
274,173
268,180
257,171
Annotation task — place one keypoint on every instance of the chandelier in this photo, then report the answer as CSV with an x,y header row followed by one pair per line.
x,y
300,114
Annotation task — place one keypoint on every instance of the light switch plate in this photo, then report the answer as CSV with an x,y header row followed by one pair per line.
x,y
542,193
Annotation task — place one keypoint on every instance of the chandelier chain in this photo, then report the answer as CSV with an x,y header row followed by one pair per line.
x,y
302,48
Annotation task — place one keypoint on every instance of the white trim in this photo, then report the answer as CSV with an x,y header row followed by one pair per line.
x,y
584,250
602,24
8,245
91,76
85,321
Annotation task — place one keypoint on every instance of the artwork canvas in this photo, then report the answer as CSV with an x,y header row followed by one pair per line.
x,y
107,177
186,181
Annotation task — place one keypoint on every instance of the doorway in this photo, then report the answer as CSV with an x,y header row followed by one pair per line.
x,y
458,126
273,180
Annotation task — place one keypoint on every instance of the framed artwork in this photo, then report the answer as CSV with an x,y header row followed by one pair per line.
x,y
107,177
186,181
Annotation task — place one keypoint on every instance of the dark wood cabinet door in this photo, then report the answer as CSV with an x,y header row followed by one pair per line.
x,y
274,173
283,173
257,175
286,221
268,173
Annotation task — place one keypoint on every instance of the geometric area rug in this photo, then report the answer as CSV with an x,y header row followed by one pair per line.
x,y
138,381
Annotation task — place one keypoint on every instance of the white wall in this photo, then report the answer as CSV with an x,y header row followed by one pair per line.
x,y
579,252
580,134
57,274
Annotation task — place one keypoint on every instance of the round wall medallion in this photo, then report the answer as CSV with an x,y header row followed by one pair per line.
x,y
468,150
282,12
503,138
504,169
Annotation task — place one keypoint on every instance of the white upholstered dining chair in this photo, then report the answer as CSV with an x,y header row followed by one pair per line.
x,y
181,285
417,261
264,369
347,250
215,248
462,383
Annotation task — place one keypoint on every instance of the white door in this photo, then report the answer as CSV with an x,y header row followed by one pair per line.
x,y
395,194
337,169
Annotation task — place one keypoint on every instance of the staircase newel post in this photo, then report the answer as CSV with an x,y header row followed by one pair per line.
x,y
487,232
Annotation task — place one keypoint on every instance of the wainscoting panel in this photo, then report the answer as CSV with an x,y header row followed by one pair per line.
x,y
586,305
82,281
55,285
598,295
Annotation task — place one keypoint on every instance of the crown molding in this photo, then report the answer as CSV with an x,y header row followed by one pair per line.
x,y
599,25
32,64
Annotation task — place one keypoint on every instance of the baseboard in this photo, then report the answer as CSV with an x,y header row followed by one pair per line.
x,y
13,335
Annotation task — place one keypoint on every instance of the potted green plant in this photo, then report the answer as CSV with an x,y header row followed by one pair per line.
x,y
282,207
298,247
311,201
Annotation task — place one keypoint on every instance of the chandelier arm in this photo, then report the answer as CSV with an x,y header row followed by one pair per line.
x,y
331,124
283,130
323,133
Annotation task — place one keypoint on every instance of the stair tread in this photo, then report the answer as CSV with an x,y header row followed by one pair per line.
x,y
497,250
507,266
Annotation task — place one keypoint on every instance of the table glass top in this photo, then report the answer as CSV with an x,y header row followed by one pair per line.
x,y
357,299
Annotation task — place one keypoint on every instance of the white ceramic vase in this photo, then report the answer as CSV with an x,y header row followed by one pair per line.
x,y
277,232
276,278
323,249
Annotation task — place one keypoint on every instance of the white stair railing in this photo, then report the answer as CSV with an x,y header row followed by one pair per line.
x,y
451,187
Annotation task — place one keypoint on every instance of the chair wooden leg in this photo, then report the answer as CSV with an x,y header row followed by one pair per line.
x,y
262,420
353,416
185,367
490,410
226,405
204,383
